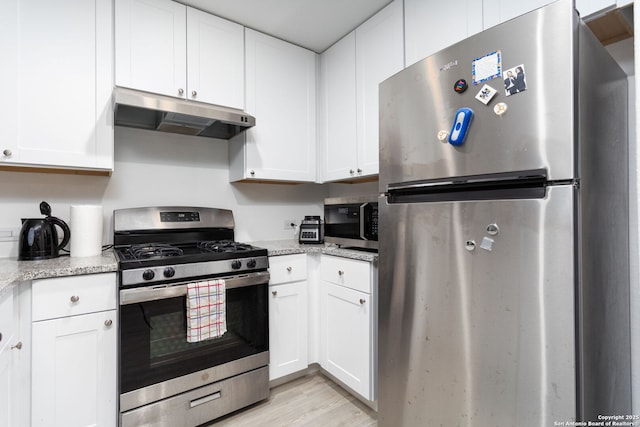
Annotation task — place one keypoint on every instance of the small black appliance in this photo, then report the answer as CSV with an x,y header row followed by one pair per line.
x,y
39,237
311,230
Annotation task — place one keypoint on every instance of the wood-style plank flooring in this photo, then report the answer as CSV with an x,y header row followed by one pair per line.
x,y
310,401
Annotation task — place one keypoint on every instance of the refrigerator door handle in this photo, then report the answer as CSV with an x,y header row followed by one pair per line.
x,y
536,175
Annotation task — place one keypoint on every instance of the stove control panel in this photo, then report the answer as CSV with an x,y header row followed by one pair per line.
x,y
179,216
188,271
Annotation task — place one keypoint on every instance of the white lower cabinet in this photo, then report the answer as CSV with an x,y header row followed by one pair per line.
x,y
74,354
11,389
348,323
336,296
288,332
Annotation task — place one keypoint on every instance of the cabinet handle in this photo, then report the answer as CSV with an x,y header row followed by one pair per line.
x,y
7,152
252,173
351,171
340,273
108,323
180,91
362,301
289,269
274,293
75,298
194,93
359,170
18,346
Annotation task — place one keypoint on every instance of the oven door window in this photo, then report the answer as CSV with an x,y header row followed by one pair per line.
x,y
153,337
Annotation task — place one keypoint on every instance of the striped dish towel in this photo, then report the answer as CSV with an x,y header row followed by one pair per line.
x,y
206,314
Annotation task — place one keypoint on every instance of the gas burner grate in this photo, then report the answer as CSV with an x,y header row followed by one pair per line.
x,y
223,246
153,250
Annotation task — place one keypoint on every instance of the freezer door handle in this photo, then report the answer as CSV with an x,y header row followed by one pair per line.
x,y
530,184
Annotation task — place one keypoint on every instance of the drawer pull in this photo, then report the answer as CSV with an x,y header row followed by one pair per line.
x,y
202,400
340,273
289,269
274,293
18,346
75,298
362,301
108,323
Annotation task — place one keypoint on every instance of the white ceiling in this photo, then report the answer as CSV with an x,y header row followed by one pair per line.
x,y
313,24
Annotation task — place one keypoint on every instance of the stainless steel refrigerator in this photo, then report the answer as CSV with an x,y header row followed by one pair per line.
x,y
504,261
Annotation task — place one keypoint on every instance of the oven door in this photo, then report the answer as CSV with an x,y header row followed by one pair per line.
x,y
154,347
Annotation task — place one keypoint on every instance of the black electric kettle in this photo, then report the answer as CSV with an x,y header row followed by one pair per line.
x,y
39,238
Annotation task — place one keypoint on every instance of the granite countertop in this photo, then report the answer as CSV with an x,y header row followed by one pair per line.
x,y
290,247
13,271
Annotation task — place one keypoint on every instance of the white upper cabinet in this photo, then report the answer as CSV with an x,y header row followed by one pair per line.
x,y
379,55
57,70
352,69
215,60
338,133
167,48
281,94
432,26
497,11
594,7
151,46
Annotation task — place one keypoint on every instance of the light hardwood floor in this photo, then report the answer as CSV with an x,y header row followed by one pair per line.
x,y
310,401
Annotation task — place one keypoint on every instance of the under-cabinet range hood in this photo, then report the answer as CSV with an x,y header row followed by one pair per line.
x,y
150,111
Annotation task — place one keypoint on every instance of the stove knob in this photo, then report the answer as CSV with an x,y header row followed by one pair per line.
x,y
251,263
236,264
148,275
169,272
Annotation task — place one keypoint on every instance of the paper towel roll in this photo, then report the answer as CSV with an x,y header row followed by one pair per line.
x,y
86,230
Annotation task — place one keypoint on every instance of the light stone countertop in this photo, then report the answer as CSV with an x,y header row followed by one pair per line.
x,y
13,271
290,247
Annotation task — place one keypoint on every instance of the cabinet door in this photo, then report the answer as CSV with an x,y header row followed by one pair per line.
x,y
215,60
498,11
57,75
379,55
74,360
432,26
287,329
346,337
151,46
8,388
281,94
338,65
592,7
9,357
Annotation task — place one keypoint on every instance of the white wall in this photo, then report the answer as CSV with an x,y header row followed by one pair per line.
x,y
153,169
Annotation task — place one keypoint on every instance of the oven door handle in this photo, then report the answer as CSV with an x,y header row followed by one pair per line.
x,y
153,293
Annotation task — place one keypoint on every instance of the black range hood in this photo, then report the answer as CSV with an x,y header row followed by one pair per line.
x,y
150,111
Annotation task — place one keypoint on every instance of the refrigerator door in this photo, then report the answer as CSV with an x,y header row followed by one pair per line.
x,y
476,312
424,110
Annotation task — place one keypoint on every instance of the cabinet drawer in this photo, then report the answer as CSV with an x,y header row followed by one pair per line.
x,y
70,296
351,273
287,268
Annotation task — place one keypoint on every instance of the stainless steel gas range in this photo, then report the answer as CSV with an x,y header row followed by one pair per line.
x,y
166,380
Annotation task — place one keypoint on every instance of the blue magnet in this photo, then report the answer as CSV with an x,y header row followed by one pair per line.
x,y
460,126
